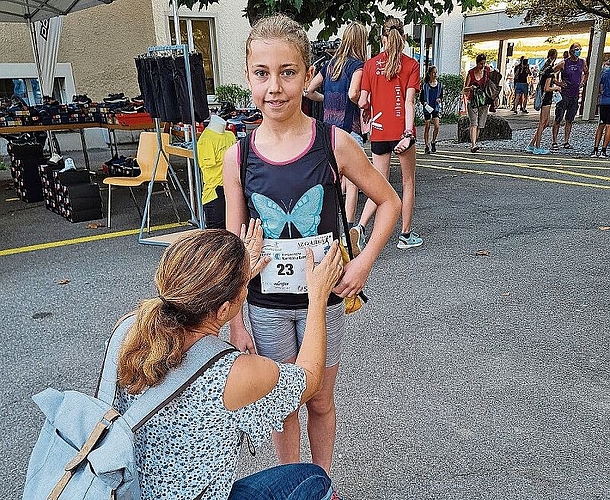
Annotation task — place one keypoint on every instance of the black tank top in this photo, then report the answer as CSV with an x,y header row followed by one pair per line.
x,y
294,199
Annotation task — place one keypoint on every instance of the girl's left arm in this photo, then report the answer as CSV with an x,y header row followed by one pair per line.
x,y
410,110
354,164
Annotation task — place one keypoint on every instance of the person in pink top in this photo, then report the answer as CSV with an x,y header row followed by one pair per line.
x,y
389,84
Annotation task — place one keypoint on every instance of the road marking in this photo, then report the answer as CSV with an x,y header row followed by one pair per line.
x,y
516,176
529,156
84,239
460,159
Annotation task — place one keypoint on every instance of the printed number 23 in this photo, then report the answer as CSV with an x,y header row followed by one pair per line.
x,y
285,270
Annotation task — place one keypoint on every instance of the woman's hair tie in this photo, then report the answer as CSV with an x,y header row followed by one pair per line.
x,y
397,28
185,318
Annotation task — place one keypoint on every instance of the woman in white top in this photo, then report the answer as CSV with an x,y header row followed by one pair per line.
x,y
189,449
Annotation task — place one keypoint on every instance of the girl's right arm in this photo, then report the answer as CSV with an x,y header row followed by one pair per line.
x,y
237,214
467,86
311,91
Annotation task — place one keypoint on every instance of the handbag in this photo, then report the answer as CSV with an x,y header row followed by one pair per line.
x,y
478,98
352,304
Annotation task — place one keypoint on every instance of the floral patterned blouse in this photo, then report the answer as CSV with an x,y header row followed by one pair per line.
x,y
191,446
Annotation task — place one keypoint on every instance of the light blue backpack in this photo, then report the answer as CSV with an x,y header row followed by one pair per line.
x,y
85,449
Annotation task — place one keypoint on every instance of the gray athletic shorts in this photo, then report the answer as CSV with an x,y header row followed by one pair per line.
x,y
278,333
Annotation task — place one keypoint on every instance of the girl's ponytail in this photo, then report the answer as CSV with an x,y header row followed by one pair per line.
x,y
395,44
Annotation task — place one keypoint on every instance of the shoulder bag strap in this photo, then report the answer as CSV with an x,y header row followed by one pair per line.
x,y
326,130
202,355
197,360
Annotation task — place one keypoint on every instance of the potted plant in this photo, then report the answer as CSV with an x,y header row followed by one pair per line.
x,y
234,94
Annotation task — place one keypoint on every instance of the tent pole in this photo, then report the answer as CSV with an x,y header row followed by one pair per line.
x,y
32,30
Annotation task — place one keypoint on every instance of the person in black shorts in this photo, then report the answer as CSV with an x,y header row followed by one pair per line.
x,y
548,85
431,96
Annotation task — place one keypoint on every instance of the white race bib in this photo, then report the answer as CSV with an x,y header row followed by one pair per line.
x,y
286,271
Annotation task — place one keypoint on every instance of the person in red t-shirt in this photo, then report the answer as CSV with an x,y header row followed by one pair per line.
x,y
389,84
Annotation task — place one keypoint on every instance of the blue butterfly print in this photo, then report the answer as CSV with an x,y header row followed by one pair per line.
x,y
305,215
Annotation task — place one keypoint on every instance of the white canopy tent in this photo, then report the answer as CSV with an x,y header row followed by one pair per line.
x,y
44,21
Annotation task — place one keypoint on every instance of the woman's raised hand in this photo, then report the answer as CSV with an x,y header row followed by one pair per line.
x,y
253,239
321,279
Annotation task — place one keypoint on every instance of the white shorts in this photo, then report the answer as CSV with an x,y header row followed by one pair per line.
x,y
278,333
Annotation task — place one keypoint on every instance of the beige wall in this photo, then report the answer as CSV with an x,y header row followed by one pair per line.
x,y
231,32
100,43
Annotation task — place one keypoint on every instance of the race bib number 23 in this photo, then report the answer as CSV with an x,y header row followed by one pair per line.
x,y
286,271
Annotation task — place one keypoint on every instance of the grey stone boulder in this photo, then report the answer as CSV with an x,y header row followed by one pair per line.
x,y
495,128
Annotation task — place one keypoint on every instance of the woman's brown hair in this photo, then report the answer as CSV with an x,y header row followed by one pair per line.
x,y
196,275
395,44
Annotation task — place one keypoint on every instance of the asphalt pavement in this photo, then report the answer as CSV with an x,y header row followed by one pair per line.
x,y
479,369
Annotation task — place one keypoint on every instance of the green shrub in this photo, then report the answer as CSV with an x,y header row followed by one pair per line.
x,y
234,94
452,94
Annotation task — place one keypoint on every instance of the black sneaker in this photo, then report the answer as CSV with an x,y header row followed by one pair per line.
x,y
427,150
81,99
433,147
594,154
115,98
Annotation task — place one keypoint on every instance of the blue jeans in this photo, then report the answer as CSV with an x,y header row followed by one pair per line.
x,y
284,482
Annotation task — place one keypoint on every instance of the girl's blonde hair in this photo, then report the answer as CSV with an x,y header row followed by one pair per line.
x,y
393,31
196,275
281,27
353,44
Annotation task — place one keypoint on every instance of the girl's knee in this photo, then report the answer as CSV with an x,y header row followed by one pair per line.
x,y
321,404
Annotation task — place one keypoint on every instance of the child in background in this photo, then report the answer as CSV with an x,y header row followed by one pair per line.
x,y
340,78
431,96
289,185
390,81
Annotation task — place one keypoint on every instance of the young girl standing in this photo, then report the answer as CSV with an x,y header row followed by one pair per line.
x,y
390,81
431,97
547,83
340,78
289,185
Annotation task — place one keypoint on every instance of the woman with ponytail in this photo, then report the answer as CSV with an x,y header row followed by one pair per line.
x,y
390,82
190,447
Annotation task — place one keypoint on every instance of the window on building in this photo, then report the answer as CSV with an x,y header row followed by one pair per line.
x,y
198,34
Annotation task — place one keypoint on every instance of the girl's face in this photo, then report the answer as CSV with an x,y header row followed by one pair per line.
x,y
277,76
480,64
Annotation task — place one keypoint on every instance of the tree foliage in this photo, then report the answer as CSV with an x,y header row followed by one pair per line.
x,y
333,14
549,15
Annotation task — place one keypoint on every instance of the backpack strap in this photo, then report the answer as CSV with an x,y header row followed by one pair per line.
x,y
244,151
203,354
326,130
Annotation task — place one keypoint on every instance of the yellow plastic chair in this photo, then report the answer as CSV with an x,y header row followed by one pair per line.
x,y
146,156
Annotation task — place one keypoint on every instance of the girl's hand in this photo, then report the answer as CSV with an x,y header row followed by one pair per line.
x,y
322,278
353,279
405,144
253,239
